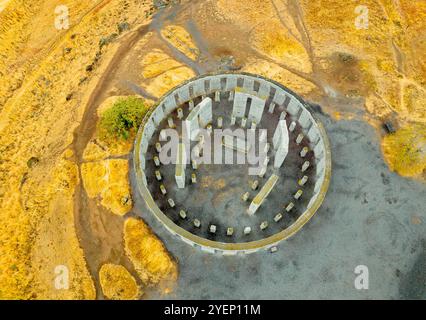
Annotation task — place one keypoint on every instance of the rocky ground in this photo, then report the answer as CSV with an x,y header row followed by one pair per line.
x,y
66,196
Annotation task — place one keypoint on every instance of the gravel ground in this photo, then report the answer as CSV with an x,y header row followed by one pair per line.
x,y
370,217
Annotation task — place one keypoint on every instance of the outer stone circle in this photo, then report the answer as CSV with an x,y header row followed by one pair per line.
x,y
225,85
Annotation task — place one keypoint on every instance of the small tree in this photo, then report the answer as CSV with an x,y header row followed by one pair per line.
x,y
122,118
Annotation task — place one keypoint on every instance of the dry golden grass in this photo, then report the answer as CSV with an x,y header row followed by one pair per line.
x,y
108,179
117,283
181,40
163,73
281,75
405,150
36,75
149,256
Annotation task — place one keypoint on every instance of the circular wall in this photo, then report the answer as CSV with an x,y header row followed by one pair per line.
x,y
215,198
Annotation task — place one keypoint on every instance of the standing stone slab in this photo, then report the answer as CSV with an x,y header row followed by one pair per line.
x,y
279,97
205,112
256,109
183,94
240,104
148,130
215,84
281,143
294,107
313,135
157,116
198,87
248,84
169,104
231,83
305,119
319,150
264,90
180,166
192,124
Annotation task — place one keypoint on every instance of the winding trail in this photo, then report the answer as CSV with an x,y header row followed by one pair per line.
x,y
100,232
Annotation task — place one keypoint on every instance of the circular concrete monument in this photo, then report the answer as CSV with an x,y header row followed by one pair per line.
x,y
232,163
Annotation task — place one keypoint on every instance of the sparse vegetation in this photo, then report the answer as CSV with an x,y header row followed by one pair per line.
x,y
107,40
123,26
122,119
117,283
405,150
150,258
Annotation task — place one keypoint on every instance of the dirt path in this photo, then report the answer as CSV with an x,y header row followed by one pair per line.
x,y
100,232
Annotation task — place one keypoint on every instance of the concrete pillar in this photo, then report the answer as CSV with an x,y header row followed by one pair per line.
x,y
256,109
217,96
255,185
171,202
182,214
278,217
267,147
157,161
209,129
304,151
163,135
292,126
263,193
197,223
263,135
158,147
253,125
243,122
233,120
180,168
194,164
299,138
245,196
170,122
289,207
263,225
262,172
266,161
305,166
298,194
180,113
163,189
212,228
220,122
205,113
193,178
303,181
231,96
158,175
191,105
271,107
229,231
247,230
252,208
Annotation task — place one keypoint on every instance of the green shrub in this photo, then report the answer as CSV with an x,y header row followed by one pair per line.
x,y
124,117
